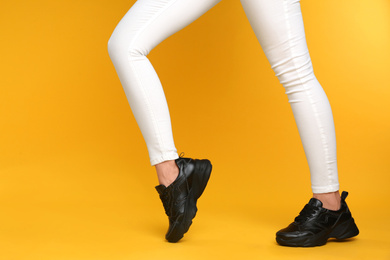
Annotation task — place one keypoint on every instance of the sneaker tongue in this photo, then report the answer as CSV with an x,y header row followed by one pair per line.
x,y
160,189
315,202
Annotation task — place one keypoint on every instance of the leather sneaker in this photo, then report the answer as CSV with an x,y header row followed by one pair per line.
x,y
179,199
315,225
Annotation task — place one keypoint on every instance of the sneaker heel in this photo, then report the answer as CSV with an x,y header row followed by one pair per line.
x,y
346,230
203,170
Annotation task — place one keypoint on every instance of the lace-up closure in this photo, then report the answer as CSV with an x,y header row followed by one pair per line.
x,y
306,213
315,225
179,199
167,201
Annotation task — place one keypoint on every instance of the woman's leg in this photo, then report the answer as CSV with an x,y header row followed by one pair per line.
x,y
279,28
144,26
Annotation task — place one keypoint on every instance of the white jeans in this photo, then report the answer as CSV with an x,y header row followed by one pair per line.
x,y
279,28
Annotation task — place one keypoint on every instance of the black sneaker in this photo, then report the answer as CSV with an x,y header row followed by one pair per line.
x,y
315,225
179,198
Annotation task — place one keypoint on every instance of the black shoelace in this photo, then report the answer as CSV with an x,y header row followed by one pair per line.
x,y
166,200
307,212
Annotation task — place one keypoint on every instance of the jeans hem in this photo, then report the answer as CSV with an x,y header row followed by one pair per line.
x,y
163,158
325,189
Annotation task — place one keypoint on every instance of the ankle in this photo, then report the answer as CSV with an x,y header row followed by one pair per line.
x,y
331,200
167,172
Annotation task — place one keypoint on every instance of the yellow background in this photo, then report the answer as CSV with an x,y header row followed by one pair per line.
x,y
75,179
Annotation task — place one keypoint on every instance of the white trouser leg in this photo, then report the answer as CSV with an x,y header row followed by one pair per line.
x,y
278,26
145,25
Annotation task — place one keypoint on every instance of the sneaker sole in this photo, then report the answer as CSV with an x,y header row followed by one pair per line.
x,y
344,230
200,178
